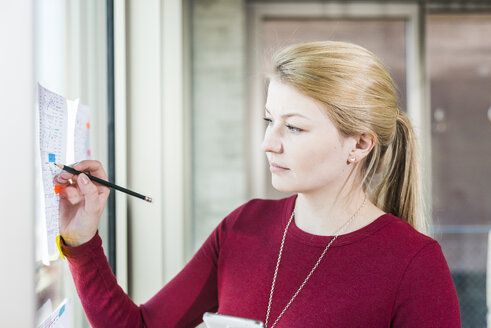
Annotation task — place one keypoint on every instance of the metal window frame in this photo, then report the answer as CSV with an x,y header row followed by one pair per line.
x,y
111,163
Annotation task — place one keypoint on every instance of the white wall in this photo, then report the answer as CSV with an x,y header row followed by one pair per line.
x,y
16,164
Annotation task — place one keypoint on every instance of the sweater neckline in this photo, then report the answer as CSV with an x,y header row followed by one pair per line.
x,y
321,241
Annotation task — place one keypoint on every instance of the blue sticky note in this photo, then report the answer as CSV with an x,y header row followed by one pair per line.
x,y
61,310
52,158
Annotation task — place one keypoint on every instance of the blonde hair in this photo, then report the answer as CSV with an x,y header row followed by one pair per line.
x,y
361,97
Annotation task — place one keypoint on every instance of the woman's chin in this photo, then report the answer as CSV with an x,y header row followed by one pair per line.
x,y
281,187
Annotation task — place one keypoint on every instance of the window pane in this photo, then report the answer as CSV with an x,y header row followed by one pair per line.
x,y
384,37
71,61
459,63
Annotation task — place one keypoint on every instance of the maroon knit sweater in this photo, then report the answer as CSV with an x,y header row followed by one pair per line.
x,y
385,274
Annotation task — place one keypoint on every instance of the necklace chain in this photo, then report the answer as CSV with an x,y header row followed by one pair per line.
x,y
337,233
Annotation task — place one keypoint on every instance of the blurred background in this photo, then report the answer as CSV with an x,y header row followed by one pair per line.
x,y
176,91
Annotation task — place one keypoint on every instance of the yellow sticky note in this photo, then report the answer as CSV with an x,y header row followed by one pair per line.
x,y
58,243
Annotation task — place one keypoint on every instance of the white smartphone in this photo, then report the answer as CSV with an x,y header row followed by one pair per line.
x,y
215,320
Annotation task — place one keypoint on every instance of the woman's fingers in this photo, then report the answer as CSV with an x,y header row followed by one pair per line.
x,y
103,194
63,178
91,167
71,194
90,193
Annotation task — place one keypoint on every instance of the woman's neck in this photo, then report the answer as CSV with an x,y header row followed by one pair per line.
x,y
319,214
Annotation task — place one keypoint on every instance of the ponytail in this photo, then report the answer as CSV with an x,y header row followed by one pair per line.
x,y
399,191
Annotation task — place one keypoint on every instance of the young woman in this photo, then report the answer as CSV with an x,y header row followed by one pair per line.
x,y
347,250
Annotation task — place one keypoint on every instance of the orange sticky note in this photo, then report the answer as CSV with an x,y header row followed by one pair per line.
x,y
57,189
87,125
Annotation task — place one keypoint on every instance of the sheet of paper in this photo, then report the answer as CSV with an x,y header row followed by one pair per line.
x,y
63,138
71,106
41,248
81,134
60,318
52,143
44,312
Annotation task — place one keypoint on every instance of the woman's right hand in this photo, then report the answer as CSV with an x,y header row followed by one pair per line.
x,y
81,202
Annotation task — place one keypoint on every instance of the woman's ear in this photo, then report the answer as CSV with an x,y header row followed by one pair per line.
x,y
363,146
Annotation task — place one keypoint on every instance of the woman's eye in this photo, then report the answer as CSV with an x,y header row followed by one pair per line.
x,y
293,129
268,120
289,127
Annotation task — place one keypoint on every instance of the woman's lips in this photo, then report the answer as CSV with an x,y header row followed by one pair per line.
x,y
275,168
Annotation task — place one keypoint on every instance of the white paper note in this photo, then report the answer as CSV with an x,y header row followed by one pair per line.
x,y
81,134
63,138
52,143
60,318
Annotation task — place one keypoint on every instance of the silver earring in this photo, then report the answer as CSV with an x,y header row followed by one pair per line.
x,y
352,159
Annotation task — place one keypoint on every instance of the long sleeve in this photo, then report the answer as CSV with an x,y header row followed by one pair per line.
x,y
180,303
426,296
385,274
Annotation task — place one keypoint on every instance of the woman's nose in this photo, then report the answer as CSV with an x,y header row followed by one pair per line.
x,y
271,142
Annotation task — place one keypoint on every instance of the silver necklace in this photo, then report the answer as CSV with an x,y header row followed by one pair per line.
x,y
338,232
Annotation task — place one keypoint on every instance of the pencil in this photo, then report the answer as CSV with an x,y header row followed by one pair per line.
x,y
104,182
